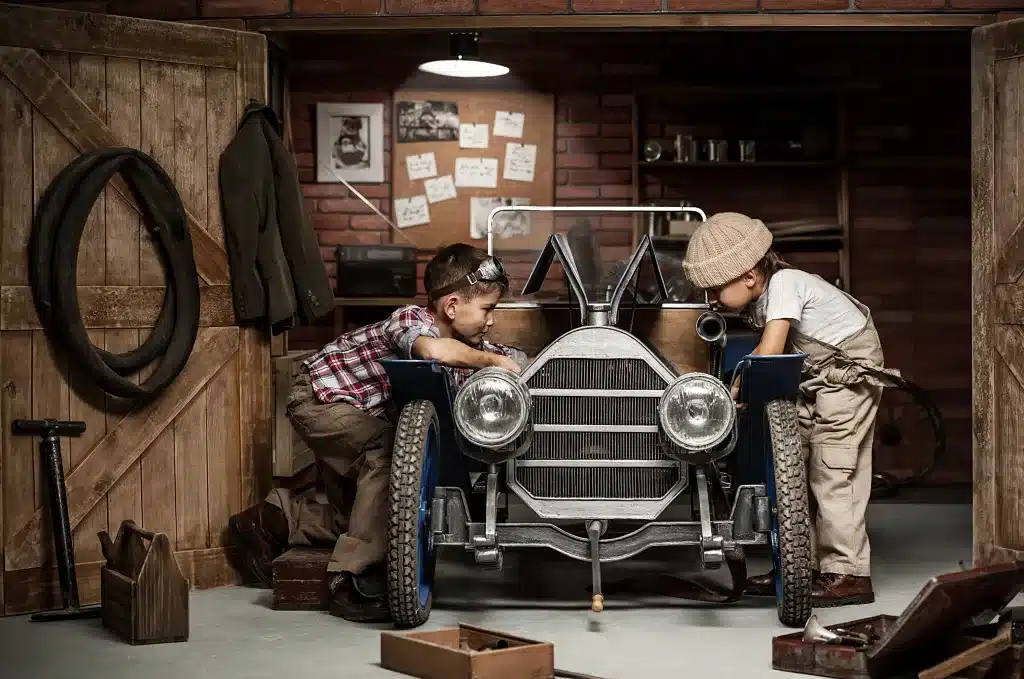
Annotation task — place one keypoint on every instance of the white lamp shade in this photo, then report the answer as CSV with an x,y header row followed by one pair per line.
x,y
464,68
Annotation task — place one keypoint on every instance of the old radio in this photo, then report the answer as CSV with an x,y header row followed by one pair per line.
x,y
376,271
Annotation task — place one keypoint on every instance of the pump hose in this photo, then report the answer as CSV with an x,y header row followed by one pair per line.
x,y
53,266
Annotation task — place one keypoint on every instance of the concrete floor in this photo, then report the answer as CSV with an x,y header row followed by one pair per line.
x,y
235,635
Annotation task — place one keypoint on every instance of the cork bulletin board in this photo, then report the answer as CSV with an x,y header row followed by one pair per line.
x,y
458,154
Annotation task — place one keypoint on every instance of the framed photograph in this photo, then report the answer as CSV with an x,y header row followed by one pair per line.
x,y
350,142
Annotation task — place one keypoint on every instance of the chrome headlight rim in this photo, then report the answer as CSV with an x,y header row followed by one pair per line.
x,y
504,375
677,384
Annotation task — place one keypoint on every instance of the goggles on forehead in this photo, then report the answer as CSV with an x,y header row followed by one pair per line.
x,y
489,271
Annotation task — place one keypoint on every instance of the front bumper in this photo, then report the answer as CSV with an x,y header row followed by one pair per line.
x,y
749,523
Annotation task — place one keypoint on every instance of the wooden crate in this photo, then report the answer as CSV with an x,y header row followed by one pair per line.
x,y
143,593
291,454
300,580
466,652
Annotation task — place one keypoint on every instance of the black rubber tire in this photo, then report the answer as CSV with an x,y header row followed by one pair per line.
x,y
57,231
792,512
414,425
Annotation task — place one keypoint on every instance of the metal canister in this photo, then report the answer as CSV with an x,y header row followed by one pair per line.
x,y
748,151
686,148
716,150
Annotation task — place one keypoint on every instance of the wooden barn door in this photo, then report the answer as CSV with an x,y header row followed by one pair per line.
x,y
70,83
998,289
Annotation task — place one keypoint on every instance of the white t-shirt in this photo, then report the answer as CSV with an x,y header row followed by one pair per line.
x,y
814,307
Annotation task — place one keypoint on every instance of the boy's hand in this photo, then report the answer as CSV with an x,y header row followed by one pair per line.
x,y
736,392
503,361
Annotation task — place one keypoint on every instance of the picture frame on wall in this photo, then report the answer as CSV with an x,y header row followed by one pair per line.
x,y
349,142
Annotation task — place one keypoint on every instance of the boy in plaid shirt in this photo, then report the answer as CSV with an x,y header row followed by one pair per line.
x,y
340,403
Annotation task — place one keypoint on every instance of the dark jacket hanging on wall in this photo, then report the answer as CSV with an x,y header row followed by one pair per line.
x,y
277,272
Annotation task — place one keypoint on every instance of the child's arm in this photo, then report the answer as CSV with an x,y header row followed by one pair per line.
x,y
773,339
773,343
455,354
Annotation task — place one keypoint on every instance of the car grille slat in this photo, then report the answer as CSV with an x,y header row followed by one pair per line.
x,y
596,410
596,373
598,483
622,482
594,445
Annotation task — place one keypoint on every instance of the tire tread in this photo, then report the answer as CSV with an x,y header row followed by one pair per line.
x,y
792,511
407,459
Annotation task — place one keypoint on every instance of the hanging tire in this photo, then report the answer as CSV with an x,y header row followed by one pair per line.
x,y
791,516
411,554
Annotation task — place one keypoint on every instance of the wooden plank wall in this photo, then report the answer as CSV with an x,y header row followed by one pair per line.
x,y
190,478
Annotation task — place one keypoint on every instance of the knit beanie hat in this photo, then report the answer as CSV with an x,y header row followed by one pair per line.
x,y
724,248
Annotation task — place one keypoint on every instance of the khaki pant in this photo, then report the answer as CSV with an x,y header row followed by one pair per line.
x,y
353,458
837,407
837,425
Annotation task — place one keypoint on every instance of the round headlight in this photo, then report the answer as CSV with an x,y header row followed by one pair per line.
x,y
696,411
493,408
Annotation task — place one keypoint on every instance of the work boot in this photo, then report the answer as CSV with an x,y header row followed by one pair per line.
x,y
835,589
262,533
764,585
361,598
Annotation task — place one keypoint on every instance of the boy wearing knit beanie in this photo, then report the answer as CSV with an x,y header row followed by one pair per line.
x,y
730,256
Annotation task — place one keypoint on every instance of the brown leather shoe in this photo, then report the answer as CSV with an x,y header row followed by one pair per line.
x,y
262,533
764,585
761,585
360,598
834,589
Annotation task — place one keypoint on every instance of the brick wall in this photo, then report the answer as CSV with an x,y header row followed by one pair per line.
x,y
190,9
910,181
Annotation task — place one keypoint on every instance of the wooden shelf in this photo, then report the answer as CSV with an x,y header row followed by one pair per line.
x,y
672,165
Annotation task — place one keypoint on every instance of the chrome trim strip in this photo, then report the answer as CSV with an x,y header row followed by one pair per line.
x,y
625,428
609,393
598,463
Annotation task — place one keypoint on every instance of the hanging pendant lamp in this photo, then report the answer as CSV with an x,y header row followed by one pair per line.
x,y
463,61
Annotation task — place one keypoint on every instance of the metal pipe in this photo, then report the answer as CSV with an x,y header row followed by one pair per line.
x,y
586,208
711,328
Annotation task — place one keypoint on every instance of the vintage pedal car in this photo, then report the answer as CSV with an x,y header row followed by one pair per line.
x,y
598,436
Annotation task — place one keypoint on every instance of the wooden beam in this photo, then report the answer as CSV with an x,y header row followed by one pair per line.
x,y
1009,304
37,589
114,306
116,36
994,554
982,280
116,452
1009,343
52,97
619,22
1010,264
255,402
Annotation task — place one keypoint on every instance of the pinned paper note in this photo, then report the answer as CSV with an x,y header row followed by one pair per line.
x,y
508,124
520,161
422,166
441,188
480,173
505,224
411,211
473,136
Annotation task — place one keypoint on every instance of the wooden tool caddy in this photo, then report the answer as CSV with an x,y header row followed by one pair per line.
x,y
143,592
947,631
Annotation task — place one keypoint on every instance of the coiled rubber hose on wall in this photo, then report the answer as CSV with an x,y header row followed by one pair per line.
x,y
53,268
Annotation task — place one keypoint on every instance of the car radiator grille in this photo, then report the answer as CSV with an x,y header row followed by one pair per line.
x,y
617,457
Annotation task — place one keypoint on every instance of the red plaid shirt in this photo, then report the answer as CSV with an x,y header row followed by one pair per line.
x,y
348,369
